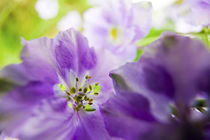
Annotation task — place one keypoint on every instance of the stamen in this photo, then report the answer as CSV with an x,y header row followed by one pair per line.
x,y
85,90
69,99
68,93
85,98
77,79
90,87
90,100
96,93
73,90
77,95
86,77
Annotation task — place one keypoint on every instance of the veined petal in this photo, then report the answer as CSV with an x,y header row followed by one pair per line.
x,y
72,52
94,125
37,60
53,120
50,120
17,106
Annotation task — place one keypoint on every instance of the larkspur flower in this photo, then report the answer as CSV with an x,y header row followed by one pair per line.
x,y
61,83
156,96
115,26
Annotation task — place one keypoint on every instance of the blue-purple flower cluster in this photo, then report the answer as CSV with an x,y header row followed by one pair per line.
x,y
66,90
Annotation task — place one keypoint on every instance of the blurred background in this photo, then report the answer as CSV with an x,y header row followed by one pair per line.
x,y
32,19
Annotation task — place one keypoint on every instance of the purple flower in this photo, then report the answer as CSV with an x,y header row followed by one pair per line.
x,y
116,26
156,95
62,82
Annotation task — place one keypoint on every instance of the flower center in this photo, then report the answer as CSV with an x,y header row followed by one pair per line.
x,y
114,33
179,2
81,94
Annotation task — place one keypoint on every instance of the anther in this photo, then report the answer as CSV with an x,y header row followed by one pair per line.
x,y
77,79
85,90
85,98
90,103
90,87
90,100
73,90
80,105
96,84
86,77
68,93
96,93
69,99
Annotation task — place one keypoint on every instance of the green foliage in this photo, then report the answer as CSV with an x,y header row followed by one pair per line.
x,y
18,18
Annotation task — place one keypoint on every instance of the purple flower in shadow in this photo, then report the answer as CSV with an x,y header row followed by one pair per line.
x,y
155,96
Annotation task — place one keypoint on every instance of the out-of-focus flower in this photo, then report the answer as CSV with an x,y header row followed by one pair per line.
x,y
61,84
184,27
157,4
155,95
189,15
47,9
195,12
184,16
96,2
116,26
70,20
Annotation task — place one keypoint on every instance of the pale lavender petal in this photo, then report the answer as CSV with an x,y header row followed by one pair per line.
x,y
142,17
